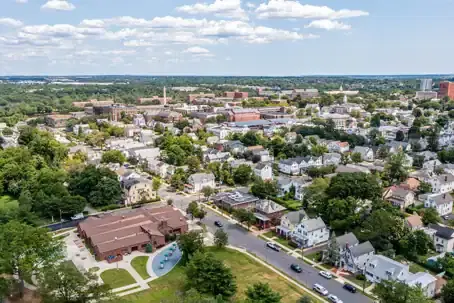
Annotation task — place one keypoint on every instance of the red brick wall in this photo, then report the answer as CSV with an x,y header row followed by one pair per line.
x,y
240,95
244,117
446,89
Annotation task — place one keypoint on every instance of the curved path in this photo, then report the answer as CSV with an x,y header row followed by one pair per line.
x,y
154,262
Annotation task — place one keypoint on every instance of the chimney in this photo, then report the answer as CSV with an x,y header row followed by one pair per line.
x,y
444,196
446,178
164,94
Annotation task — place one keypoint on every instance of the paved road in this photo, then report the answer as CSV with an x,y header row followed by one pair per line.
x,y
239,237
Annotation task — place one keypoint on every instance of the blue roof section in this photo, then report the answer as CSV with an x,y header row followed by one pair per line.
x,y
253,123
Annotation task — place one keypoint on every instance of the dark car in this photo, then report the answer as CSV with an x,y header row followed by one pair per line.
x,y
350,287
296,267
218,223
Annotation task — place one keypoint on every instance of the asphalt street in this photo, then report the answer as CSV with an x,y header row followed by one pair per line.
x,y
239,237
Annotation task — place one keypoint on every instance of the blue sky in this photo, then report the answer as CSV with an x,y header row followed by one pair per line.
x,y
226,37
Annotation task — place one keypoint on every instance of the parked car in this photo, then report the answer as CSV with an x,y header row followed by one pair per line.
x,y
218,223
77,216
326,274
334,299
349,287
296,267
273,246
320,289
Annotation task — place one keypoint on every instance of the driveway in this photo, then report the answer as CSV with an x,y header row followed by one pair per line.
x,y
239,237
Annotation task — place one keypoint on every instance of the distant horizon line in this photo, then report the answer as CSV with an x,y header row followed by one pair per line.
x,y
251,76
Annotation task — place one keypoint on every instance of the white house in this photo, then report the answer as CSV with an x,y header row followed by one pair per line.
x,y
198,181
442,237
441,202
289,167
431,165
331,159
158,167
380,268
353,255
442,183
289,221
138,189
367,154
264,171
338,147
310,232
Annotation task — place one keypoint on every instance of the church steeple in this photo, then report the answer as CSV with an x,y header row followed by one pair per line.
x,y
345,99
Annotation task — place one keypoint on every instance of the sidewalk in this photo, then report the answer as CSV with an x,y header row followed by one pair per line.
x,y
294,253
307,290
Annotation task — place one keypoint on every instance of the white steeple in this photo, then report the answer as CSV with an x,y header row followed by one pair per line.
x,y
345,99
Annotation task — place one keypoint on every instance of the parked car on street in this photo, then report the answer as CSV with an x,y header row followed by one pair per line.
x,y
218,223
273,246
320,289
334,299
326,274
349,287
296,267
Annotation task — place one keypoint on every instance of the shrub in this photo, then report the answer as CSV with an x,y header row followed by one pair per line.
x,y
361,277
111,207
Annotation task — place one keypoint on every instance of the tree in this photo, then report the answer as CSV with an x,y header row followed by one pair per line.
x,y
399,292
113,156
332,254
400,136
424,188
243,174
382,152
305,299
149,248
430,215
207,191
396,168
24,250
263,189
356,157
192,209
375,121
156,184
63,283
316,191
209,275
106,192
221,238
447,292
169,202
432,138
200,214
193,163
245,216
357,185
262,293
190,243
415,244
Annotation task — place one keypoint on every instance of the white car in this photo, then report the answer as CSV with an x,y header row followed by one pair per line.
x,y
326,274
320,289
334,299
273,246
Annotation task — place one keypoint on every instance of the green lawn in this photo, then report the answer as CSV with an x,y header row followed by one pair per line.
x,y
117,277
284,242
270,234
246,271
140,265
313,256
359,282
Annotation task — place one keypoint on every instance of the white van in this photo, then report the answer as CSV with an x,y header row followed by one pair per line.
x,y
320,289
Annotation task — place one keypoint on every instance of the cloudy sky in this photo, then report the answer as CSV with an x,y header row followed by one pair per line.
x,y
226,37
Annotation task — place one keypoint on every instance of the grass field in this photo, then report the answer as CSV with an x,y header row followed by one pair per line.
x,y
140,265
246,271
117,277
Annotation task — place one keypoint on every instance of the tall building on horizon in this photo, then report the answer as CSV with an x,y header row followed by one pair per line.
x,y
426,85
446,90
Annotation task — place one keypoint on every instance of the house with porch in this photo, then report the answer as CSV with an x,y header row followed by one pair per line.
x,y
441,202
310,232
289,221
268,213
198,181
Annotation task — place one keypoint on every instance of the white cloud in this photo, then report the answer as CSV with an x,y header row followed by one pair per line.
x,y
10,22
58,5
224,8
294,9
328,25
137,43
250,5
60,31
168,53
196,50
92,23
21,1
